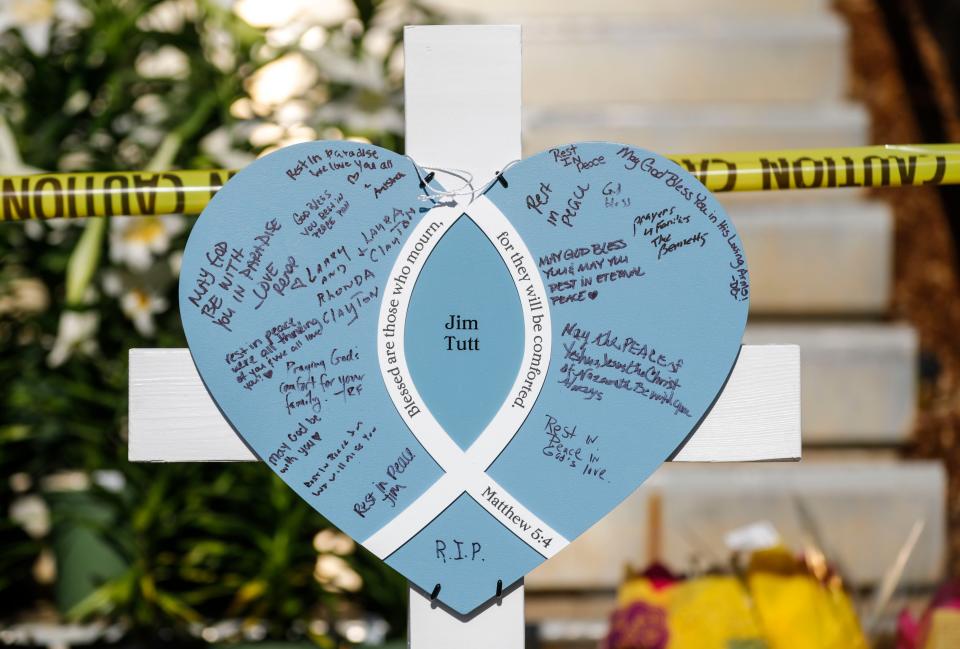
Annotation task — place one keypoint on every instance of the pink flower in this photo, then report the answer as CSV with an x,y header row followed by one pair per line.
x,y
638,626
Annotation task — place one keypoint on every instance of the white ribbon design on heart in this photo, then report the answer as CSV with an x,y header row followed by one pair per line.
x,y
465,471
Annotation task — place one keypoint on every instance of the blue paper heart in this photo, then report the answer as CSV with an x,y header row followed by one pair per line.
x,y
464,395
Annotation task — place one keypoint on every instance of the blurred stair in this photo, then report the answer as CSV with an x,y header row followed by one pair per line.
x,y
684,59
505,9
820,255
690,128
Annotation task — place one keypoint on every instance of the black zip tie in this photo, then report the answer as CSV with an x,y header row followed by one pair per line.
x,y
436,591
499,587
426,180
502,180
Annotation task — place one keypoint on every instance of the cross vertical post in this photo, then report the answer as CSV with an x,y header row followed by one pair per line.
x,y
462,106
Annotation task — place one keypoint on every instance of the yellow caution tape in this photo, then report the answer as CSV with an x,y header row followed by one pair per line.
x,y
869,166
135,193
79,195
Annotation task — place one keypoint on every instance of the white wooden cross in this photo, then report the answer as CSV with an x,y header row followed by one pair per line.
x,y
463,111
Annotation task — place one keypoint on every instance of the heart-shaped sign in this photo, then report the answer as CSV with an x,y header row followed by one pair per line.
x,y
464,386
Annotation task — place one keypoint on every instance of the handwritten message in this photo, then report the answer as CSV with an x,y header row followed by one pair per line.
x,y
595,363
578,274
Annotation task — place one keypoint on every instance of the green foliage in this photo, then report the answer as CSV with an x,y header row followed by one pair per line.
x,y
196,543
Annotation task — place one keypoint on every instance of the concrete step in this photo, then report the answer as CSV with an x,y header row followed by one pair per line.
x,y
857,380
816,256
682,59
494,10
859,512
699,128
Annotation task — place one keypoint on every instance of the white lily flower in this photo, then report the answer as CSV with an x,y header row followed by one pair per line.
x,y
218,144
32,514
167,62
138,303
140,306
266,133
176,261
151,108
45,567
169,16
218,47
289,76
74,333
10,160
112,283
333,573
34,19
136,240
276,13
329,541
75,161
314,38
24,295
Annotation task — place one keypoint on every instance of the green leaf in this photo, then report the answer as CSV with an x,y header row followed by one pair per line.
x,y
85,260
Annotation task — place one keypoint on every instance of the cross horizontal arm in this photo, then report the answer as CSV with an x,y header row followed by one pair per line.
x,y
757,416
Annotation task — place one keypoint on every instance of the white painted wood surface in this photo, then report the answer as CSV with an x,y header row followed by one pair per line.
x,y
462,97
757,417
859,379
499,623
462,109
